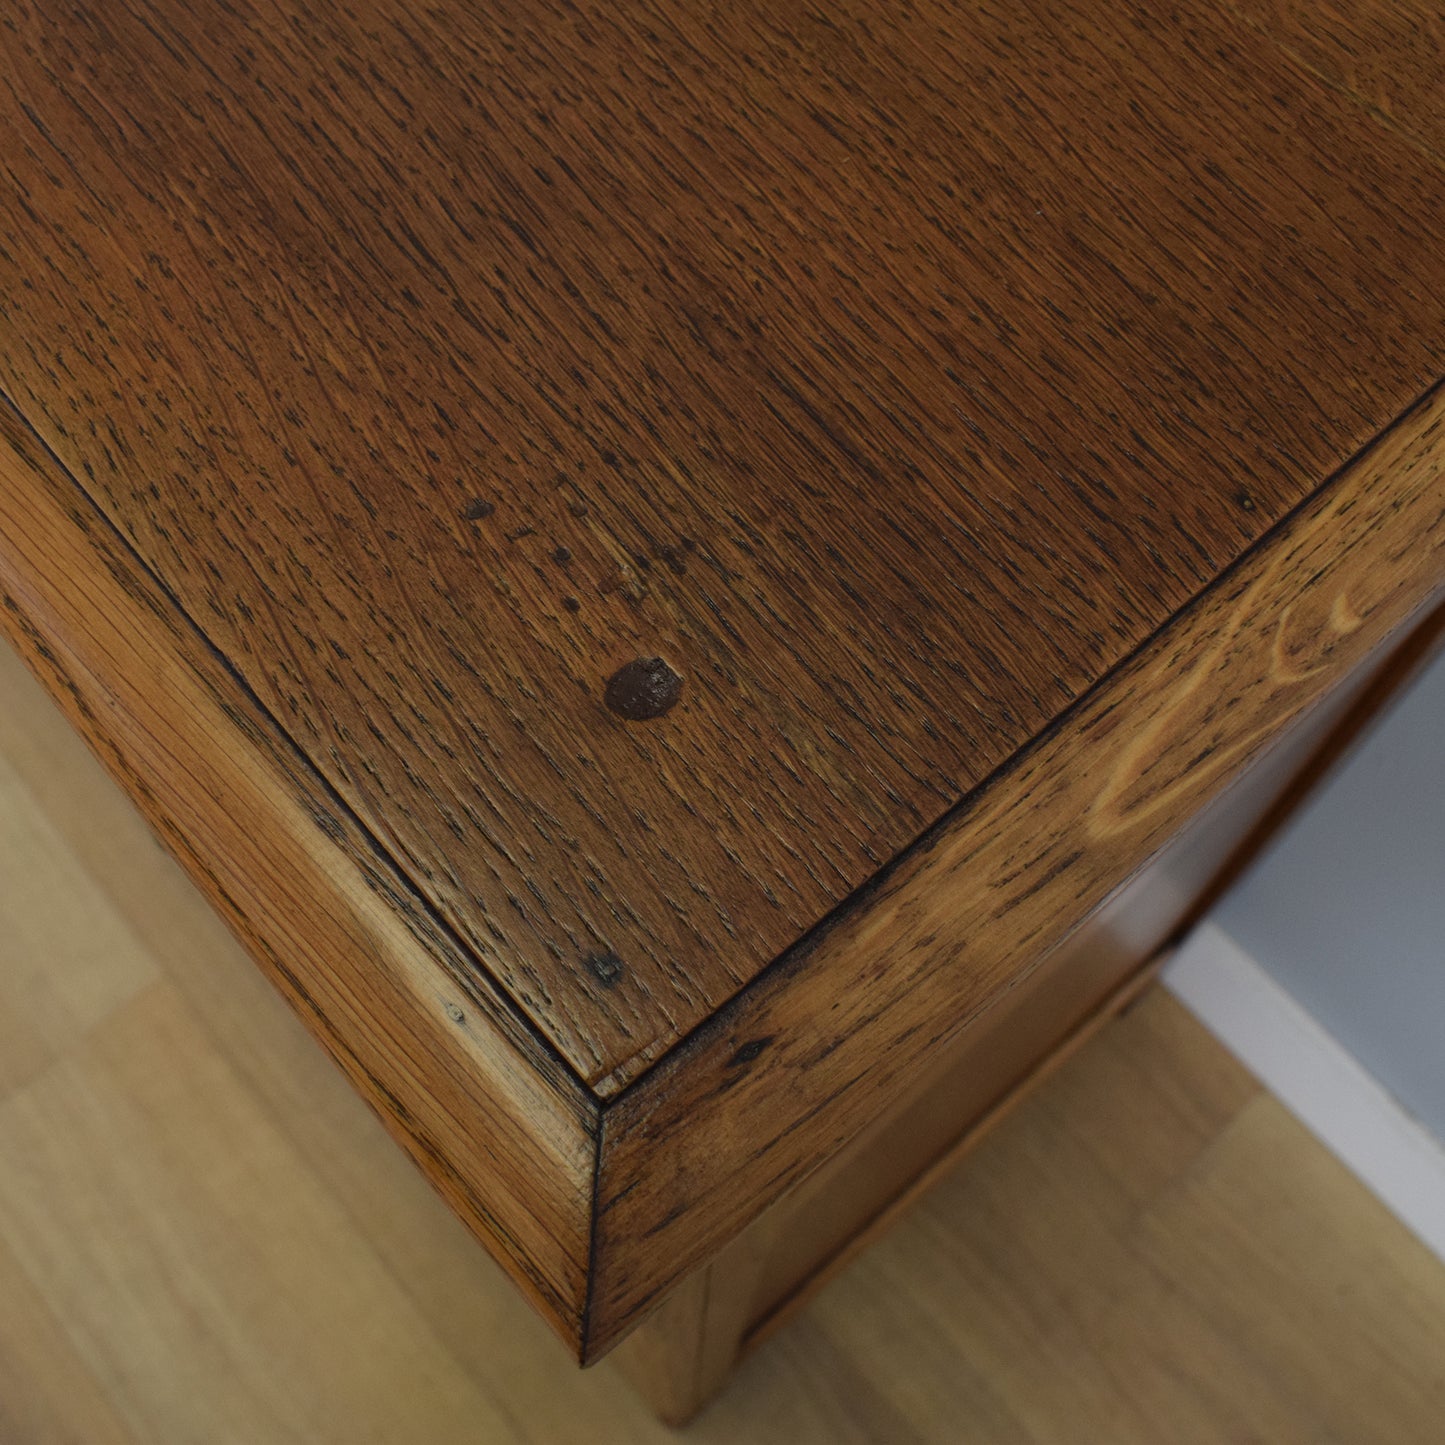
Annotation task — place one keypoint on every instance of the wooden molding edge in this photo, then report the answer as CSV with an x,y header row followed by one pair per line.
x,y
815,1049
488,1111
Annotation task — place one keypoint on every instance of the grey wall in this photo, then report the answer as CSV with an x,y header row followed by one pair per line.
x,y
1347,909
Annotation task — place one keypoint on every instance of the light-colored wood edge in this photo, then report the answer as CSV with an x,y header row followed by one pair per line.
x,y
492,1116
819,1046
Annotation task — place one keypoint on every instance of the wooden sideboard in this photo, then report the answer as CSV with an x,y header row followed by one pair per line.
x,y
705,589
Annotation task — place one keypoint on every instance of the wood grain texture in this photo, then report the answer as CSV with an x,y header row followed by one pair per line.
x,y
823,1043
890,373
498,1124
1388,54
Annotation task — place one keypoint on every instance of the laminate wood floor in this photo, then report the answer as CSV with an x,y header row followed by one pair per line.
x,y
205,1237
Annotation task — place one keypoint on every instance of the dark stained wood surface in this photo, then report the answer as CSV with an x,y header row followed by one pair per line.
x,y
828,1040
1388,54
889,373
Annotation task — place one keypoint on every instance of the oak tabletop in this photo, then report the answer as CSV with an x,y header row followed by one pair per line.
x,y
647,464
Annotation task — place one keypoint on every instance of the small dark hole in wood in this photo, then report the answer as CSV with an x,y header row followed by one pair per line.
x,y
477,510
644,688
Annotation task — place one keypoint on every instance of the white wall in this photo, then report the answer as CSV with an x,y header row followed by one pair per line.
x,y
1346,912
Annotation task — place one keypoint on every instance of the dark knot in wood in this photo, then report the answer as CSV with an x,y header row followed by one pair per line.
x,y
605,967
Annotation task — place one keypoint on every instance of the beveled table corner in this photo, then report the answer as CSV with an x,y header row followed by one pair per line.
x,y
676,572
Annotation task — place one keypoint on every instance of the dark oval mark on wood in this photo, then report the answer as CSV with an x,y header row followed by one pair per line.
x,y
477,510
747,1052
605,967
644,688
